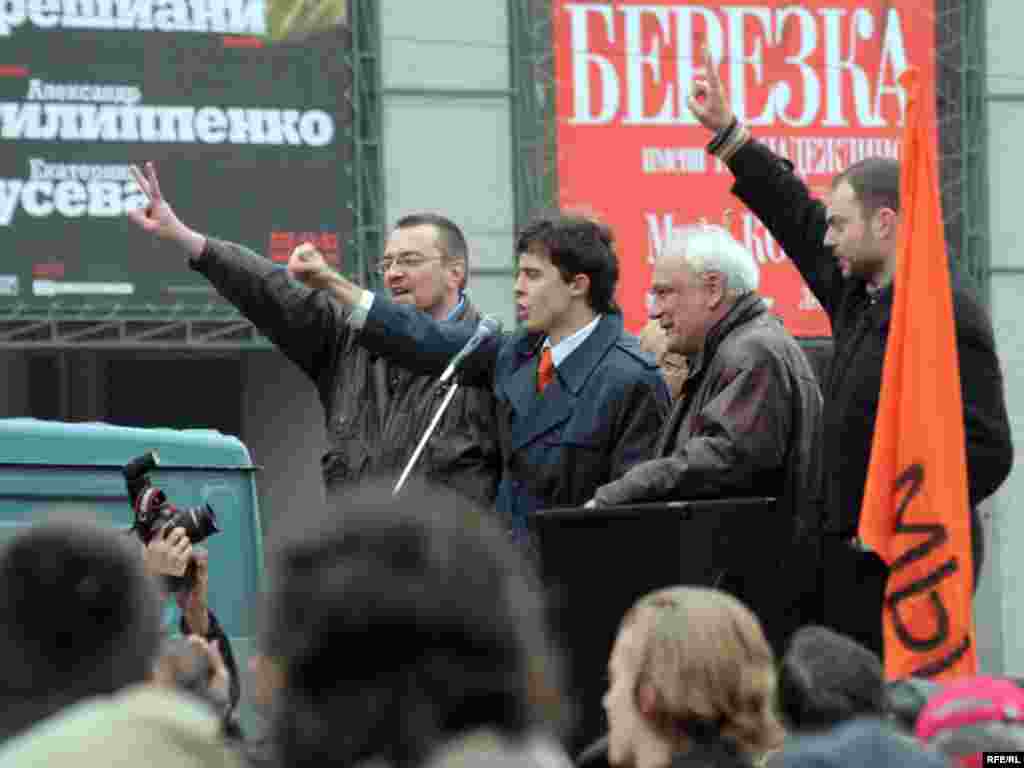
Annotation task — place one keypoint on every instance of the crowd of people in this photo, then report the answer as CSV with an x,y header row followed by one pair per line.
x,y
400,634
411,630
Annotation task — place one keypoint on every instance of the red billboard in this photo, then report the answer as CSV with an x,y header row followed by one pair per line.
x,y
816,81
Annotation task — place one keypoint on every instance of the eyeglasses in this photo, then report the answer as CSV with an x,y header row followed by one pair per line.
x,y
403,261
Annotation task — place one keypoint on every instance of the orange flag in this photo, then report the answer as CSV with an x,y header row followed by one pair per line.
x,y
916,511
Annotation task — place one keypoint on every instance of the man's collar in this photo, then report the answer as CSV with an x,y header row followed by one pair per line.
x,y
742,311
577,367
569,344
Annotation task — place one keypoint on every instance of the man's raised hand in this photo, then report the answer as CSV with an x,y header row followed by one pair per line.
x,y
307,265
158,217
708,100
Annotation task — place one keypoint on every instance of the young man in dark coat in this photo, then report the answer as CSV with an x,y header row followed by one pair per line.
x,y
578,402
846,252
375,411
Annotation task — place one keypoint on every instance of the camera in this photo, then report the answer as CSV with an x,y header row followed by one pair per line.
x,y
154,514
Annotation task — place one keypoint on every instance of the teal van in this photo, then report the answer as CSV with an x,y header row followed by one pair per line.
x,y
50,469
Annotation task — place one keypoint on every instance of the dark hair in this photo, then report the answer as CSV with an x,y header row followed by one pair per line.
x,y
826,678
876,183
577,245
400,623
450,238
79,617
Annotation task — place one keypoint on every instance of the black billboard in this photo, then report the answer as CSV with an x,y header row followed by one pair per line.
x,y
251,140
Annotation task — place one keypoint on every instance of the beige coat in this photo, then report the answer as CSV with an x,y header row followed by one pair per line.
x,y
143,725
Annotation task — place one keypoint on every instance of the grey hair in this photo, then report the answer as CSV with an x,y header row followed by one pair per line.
x,y
709,248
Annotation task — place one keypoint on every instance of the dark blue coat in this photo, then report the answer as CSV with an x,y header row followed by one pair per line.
x,y
600,416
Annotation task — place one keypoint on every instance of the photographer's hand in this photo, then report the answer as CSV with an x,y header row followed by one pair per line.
x,y
158,217
168,555
195,604
220,679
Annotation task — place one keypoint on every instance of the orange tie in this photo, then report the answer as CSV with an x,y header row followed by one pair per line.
x,y
546,370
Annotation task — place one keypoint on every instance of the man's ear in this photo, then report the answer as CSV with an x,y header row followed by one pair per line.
x,y
458,269
715,282
579,285
884,224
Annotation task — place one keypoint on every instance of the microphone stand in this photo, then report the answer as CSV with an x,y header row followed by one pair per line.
x,y
452,389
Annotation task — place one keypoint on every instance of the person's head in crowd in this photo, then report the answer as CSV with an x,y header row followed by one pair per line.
x,y
854,744
79,617
973,715
863,213
674,367
906,698
156,724
699,275
690,672
426,263
826,678
566,275
397,624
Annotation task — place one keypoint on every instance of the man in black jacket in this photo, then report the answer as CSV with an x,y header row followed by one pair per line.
x,y
846,252
375,411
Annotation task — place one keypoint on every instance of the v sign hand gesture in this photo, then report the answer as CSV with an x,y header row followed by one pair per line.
x,y
708,100
158,217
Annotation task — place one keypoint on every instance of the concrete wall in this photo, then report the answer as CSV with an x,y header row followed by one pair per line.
x,y
1000,602
447,131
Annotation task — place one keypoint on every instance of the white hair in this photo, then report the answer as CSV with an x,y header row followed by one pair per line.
x,y
709,248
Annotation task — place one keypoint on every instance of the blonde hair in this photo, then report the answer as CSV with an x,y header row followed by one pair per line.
x,y
705,656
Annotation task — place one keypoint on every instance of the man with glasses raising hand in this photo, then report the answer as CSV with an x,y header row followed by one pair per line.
x,y
375,410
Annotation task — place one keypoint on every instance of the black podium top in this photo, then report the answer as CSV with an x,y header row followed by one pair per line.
x,y
689,506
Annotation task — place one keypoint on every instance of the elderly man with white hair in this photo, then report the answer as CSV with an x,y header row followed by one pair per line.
x,y
748,421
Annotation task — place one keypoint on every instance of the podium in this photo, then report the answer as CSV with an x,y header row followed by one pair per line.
x,y
595,563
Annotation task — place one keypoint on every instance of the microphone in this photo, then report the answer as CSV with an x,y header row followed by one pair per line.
x,y
488,327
